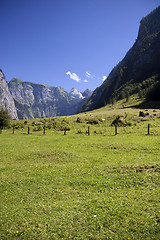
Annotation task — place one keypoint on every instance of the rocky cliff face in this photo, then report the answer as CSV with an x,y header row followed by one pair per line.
x,y
74,93
40,100
87,93
6,100
140,66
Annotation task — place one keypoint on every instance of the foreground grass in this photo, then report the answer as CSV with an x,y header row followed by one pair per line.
x,y
79,187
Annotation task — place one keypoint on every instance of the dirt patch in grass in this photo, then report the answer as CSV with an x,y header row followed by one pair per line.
x,y
148,169
123,170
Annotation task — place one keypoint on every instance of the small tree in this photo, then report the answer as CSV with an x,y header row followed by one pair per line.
x,y
113,101
122,95
127,96
4,119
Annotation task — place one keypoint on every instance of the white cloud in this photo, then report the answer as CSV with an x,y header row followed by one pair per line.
x,y
104,78
73,76
68,73
88,74
85,80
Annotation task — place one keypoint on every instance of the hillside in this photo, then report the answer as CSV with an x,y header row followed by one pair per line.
x,y
138,72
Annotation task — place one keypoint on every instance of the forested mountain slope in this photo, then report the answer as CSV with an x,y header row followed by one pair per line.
x,y
138,72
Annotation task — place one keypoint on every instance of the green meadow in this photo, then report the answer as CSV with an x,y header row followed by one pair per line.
x,y
80,186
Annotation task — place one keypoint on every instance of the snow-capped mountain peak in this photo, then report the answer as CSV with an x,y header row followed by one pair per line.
x,y
75,93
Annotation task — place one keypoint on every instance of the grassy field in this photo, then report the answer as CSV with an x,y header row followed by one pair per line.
x,y
77,186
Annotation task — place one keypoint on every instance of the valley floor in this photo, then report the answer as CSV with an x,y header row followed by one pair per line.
x,y
77,186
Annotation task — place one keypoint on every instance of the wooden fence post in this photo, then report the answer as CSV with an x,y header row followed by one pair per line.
x,y
148,129
28,130
65,131
88,131
115,129
44,130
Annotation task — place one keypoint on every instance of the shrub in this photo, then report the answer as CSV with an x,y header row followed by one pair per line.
x,y
62,128
48,126
38,128
118,121
141,114
18,125
92,121
4,119
79,120
65,121
129,123
79,132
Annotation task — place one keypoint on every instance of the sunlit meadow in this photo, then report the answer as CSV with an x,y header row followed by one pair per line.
x,y
80,186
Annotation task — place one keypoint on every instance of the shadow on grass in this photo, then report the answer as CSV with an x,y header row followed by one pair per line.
x,y
146,104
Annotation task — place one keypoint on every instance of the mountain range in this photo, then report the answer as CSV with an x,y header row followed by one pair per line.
x,y
138,72
26,100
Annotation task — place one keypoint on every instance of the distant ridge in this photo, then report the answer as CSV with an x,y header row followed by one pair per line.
x,y
34,100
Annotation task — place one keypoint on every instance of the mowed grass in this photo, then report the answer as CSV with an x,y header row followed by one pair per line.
x,y
80,187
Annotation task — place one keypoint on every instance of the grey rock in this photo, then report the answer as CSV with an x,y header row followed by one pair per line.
x,y
6,100
39,100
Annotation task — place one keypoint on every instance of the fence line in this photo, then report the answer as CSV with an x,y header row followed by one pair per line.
x,y
117,130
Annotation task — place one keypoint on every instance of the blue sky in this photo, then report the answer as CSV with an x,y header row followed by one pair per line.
x,y
67,43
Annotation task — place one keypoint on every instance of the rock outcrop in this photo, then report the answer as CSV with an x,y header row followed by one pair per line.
x,y
6,100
